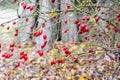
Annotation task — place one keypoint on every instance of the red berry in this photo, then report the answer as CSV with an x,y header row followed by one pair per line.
x,y
44,44
8,27
97,19
55,17
16,34
46,71
22,53
60,60
25,57
68,5
78,24
87,18
12,44
35,33
53,62
14,0
14,22
98,7
65,21
90,50
66,30
52,1
107,24
43,25
17,64
118,15
11,49
86,29
27,19
44,36
24,5
31,8
16,30
83,25
19,46
21,56
65,48
83,17
40,52
40,32
76,21
66,11
118,45
0,45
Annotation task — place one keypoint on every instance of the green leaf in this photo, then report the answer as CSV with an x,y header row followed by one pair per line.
x,y
22,73
92,31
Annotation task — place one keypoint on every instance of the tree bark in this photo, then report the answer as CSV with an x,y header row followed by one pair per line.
x,y
71,35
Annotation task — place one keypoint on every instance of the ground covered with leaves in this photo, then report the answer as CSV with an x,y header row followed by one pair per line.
x,y
64,61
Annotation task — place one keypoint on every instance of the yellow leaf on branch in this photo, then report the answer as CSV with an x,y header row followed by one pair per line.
x,y
53,13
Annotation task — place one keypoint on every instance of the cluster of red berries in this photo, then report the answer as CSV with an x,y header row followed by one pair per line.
x,y
44,44
30,8
60,60
83,26
12,47
45,41
24,5
23,56
67,51
7,55
38,32
16,32
118,16
87,18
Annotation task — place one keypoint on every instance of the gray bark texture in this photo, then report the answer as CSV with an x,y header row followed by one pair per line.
x,y
54,28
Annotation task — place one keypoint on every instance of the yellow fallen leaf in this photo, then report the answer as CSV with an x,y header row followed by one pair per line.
x,y
98,52
63,58
29,48
82,45
20,69
26,79
84,1
55,50
10,71
52,53
92,19
64,68
81,78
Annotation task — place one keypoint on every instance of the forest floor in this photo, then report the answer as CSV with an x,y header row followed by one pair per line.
x,y
79,65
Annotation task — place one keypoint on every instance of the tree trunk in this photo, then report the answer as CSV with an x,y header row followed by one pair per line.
x,y
71,35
